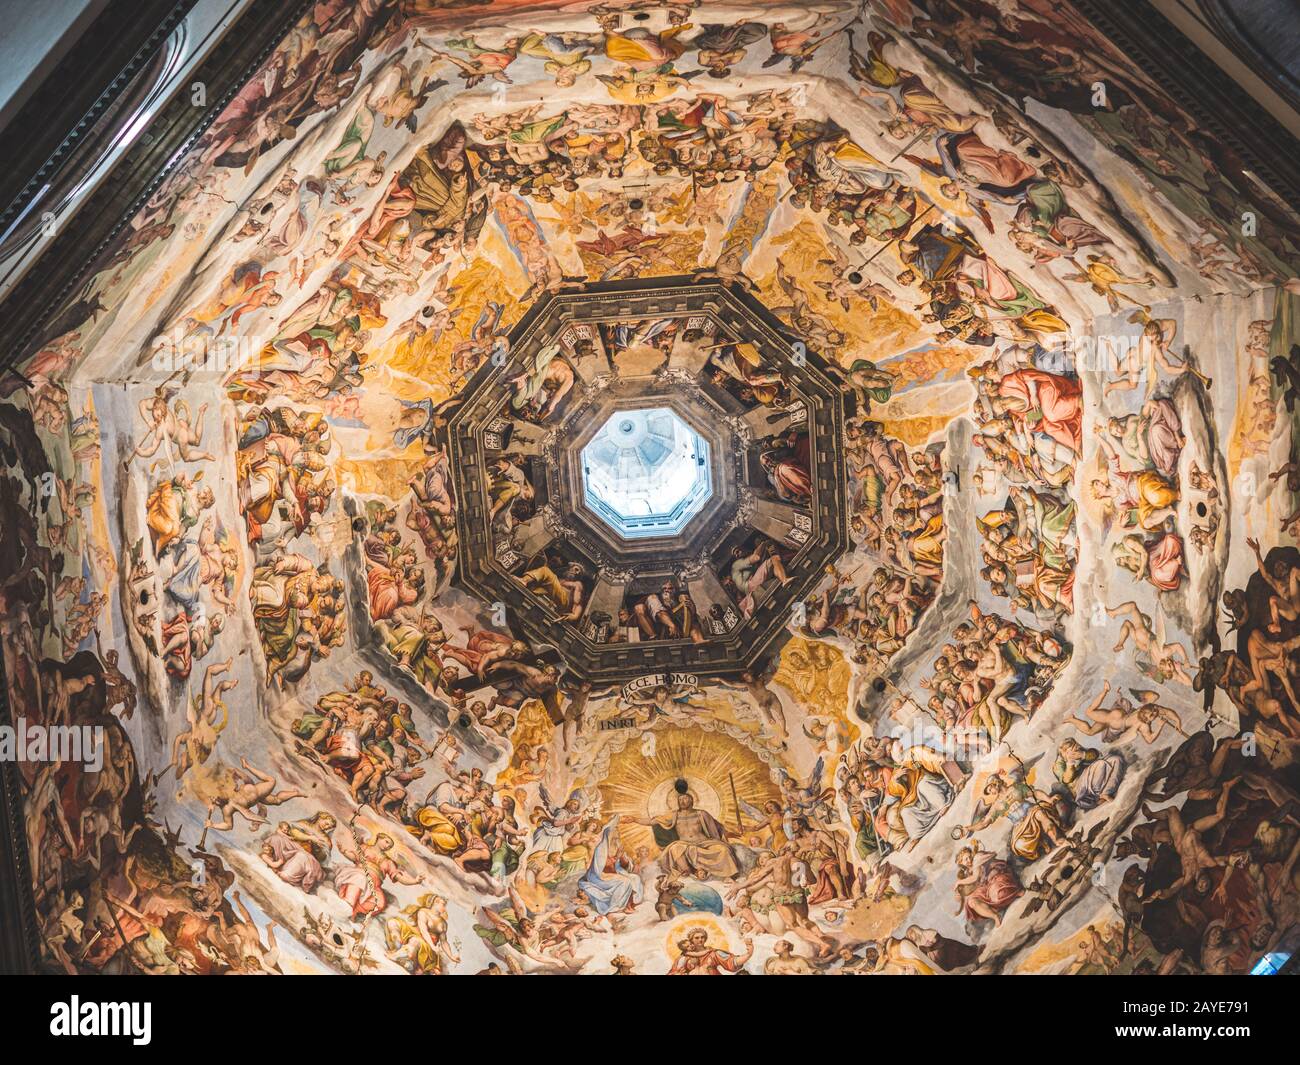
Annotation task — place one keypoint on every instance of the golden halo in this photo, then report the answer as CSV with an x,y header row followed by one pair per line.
x,y
663,797
718,935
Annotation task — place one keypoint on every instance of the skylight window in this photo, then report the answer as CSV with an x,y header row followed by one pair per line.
x,y
646,473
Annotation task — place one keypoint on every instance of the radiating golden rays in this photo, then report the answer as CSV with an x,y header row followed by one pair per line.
x,y
492,275
712,764
1073,948
915,432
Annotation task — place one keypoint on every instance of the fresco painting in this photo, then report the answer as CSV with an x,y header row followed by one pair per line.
x,y
1040,715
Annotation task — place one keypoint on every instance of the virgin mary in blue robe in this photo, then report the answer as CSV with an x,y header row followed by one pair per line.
x,y
608,882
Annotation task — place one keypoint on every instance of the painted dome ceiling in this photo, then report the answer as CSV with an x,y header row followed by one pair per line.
x,y
552,487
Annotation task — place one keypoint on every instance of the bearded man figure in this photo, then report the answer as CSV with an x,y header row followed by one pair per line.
x,y
694,842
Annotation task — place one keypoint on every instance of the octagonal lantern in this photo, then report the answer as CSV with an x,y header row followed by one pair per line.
x,y
650,479
646,473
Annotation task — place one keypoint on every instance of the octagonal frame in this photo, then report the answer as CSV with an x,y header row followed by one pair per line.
x,y
485,565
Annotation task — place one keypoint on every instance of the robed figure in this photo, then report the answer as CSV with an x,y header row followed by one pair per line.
x,y
609,882
693,842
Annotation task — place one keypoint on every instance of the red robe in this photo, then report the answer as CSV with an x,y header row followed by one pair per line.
x,y
1059,399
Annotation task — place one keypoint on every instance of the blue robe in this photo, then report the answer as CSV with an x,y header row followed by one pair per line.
x,y
610,891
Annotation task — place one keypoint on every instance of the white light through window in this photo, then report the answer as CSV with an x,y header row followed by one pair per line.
x,y
646,473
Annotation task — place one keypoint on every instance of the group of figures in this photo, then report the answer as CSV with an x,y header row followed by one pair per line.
x,y
1041,716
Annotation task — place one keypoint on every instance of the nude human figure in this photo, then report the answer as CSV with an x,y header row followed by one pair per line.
x,y
778,870
1291,471
430,923
1149,353
256,789
1170,658
993,666
1125,720
243,944
193,746
1270,658
1284,579
179,429
767,701
786,962
1195,857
